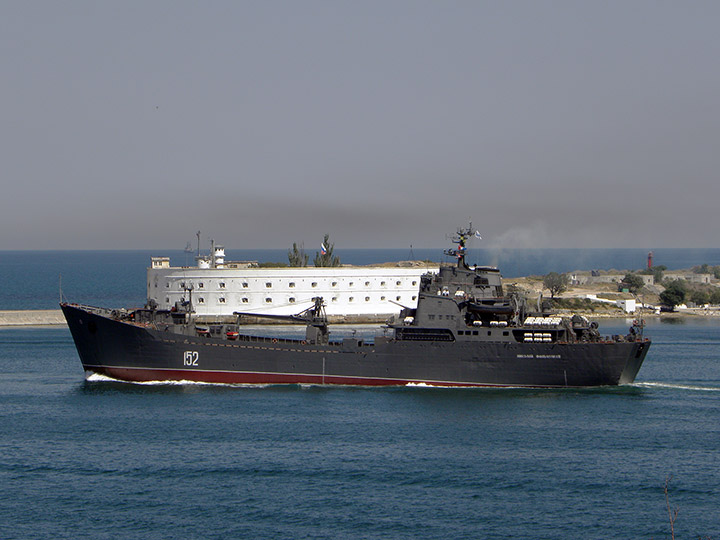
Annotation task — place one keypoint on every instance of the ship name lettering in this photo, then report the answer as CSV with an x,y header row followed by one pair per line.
x,y
526,356
191,358
548,356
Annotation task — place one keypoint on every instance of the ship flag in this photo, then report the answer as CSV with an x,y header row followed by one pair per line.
x,y
323,249
477,235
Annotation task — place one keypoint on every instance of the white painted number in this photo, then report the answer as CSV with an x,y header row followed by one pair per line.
x,y
191,358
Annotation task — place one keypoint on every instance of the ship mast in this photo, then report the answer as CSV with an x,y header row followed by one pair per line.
x,y
460,239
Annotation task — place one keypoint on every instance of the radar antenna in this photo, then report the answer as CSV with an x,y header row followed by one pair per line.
x,y
460,238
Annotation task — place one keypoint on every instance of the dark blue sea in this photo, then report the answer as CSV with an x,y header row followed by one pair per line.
x,y
104,460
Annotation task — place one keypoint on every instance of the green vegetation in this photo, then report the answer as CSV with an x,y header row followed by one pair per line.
x,y
556,283
327,258
674,293
699,297
297,257
632,282
575,304
272,265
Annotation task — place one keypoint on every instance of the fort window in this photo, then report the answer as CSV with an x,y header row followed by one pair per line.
x,y
268,300
221,284
291,284
245,284
367,298
245,300
221,300
268,285
201,300
334,284
292,300
314,284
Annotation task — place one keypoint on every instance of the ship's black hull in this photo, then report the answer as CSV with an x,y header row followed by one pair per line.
x,y
132,352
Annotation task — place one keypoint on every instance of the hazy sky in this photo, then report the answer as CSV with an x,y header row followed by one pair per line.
x,y
385,123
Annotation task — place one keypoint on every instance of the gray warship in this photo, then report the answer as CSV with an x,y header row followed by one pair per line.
x,y
465,331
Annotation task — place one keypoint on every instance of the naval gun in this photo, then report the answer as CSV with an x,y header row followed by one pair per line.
x,y
314,317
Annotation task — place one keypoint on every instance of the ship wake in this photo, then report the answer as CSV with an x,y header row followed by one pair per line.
x,y
671,386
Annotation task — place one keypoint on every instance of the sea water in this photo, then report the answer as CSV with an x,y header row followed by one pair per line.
x,y
103,459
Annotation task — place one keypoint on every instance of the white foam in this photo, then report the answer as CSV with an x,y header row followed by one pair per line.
x,y
677,386
96,377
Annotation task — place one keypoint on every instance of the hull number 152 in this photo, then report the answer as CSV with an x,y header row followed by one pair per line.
x,y
191,358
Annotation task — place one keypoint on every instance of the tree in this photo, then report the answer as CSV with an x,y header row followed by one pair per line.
x,y
699,297
674,293
556,283
326,257
715,297
632,282
297,257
